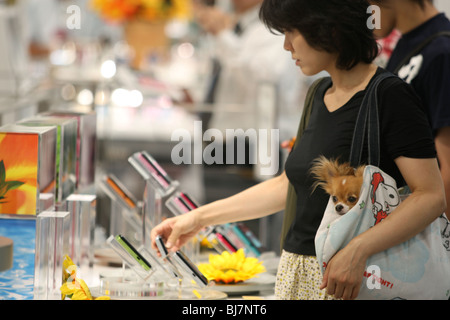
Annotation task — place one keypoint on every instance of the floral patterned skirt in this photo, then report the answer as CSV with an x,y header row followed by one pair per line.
x,y
299,278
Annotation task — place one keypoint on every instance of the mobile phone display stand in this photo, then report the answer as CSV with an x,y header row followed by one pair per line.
x,y
178,204
128,288
152,210
141,283
82,209
52,243
188,287
243,238
158,185
231,237
217,245
129,260
46,202
151,171
165,271
125,219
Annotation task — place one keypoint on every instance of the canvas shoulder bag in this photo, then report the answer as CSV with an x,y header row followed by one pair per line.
x,y
416,269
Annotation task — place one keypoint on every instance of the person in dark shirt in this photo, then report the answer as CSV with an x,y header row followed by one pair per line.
x,y
332,35
428,70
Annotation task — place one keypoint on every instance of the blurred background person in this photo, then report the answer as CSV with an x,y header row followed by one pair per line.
x,y
42,25
427,69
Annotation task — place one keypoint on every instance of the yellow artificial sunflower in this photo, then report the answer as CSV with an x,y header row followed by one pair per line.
x,y
74,287
231,268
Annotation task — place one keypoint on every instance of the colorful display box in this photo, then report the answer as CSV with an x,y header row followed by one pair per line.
x,y
27,168
66,156
43,160
86,144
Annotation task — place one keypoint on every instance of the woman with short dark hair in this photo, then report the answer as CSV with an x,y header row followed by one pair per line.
x,y
333,35
335,27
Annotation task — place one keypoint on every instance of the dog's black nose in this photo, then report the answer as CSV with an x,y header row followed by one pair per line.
x,y
339,207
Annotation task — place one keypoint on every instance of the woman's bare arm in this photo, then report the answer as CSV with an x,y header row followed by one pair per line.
x,y
265,198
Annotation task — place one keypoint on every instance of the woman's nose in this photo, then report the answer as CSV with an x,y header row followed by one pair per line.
x,y
287,44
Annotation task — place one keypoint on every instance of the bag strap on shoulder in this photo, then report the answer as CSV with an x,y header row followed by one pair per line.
x,y
367,125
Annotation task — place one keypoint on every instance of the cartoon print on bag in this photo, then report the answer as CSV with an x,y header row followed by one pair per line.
x,y
446,233
391,197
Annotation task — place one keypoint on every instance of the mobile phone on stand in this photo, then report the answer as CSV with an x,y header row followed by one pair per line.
x,y
190,268
133,252
120,191
155,169
150,170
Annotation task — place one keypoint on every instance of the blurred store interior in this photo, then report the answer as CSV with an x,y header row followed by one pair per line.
x,y
144,82
145,78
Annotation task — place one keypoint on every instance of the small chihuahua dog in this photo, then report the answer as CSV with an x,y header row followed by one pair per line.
x,y
340,181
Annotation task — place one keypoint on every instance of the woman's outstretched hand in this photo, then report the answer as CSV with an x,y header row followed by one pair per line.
x,y
177,231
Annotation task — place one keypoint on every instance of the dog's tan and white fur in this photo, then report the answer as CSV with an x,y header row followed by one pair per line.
x,y
340,181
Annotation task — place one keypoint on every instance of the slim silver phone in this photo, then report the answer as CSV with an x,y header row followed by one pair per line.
x,y
190,268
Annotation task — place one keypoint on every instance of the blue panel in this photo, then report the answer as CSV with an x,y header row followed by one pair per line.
x,y
17,282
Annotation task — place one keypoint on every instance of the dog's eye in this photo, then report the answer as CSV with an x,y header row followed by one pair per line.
x,y
335,199
352,199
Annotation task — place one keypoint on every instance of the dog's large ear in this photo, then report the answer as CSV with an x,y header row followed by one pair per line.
x,y
325,169
322,170
359,172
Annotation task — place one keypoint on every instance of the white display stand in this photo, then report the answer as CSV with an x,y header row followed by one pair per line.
x,y
52,244
82,209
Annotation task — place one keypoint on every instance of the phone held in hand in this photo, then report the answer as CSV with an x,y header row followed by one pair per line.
x,y
161,246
